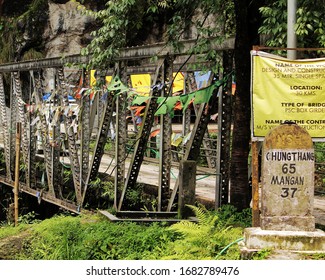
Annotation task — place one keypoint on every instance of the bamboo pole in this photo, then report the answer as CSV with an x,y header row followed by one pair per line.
x,y
16,186
255,187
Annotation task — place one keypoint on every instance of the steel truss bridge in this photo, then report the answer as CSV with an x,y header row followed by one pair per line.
x,y
23,82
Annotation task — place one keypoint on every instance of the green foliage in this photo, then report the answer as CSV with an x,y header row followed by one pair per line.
x,y
317,256
262,254
89,237
8,33
67,175
10,230
319,166
204,239
54,239
310,28
29,218
72,238
229,215
100,194
124,241
112,35
14,31
123,21
32,54
319,152
275,23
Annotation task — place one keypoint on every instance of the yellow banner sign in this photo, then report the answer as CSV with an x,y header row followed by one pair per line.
x,y
287,90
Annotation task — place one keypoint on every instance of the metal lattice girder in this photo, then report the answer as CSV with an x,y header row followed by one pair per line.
x,y
32,137
55,150
224,134
121,134
165,149
32,154
226,120
68,123
187,114
108,100
144,134
47,149
85,135
68,205
12,129
5,128
23,121
193,145
93,112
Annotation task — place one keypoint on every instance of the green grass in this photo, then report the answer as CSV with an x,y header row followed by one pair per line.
x,y
92,237
10,230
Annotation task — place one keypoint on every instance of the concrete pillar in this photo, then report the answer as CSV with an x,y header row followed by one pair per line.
x,y
187,183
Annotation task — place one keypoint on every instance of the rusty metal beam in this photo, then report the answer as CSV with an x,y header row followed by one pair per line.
x,y
132,53
165,149
121,134
46,196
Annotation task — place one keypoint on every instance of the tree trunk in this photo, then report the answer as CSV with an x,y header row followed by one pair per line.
x,y
247,22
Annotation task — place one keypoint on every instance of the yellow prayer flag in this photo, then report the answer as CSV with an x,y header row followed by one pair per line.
x,y
141,83
93,78
178,84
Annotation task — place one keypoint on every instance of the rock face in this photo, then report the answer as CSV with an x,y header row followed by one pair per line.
x,y
43,28
67,30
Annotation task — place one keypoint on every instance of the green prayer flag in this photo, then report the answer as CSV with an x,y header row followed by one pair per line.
x,y
162,110
183,98
189,98
169,103
116,84
140,99
203,95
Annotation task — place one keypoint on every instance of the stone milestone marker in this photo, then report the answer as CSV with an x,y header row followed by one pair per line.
x,y
287,180
287,221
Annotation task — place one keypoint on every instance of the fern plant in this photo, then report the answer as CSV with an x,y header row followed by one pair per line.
x,y
204,239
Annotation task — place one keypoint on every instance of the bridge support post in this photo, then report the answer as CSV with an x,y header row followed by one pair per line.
x,y
187,183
